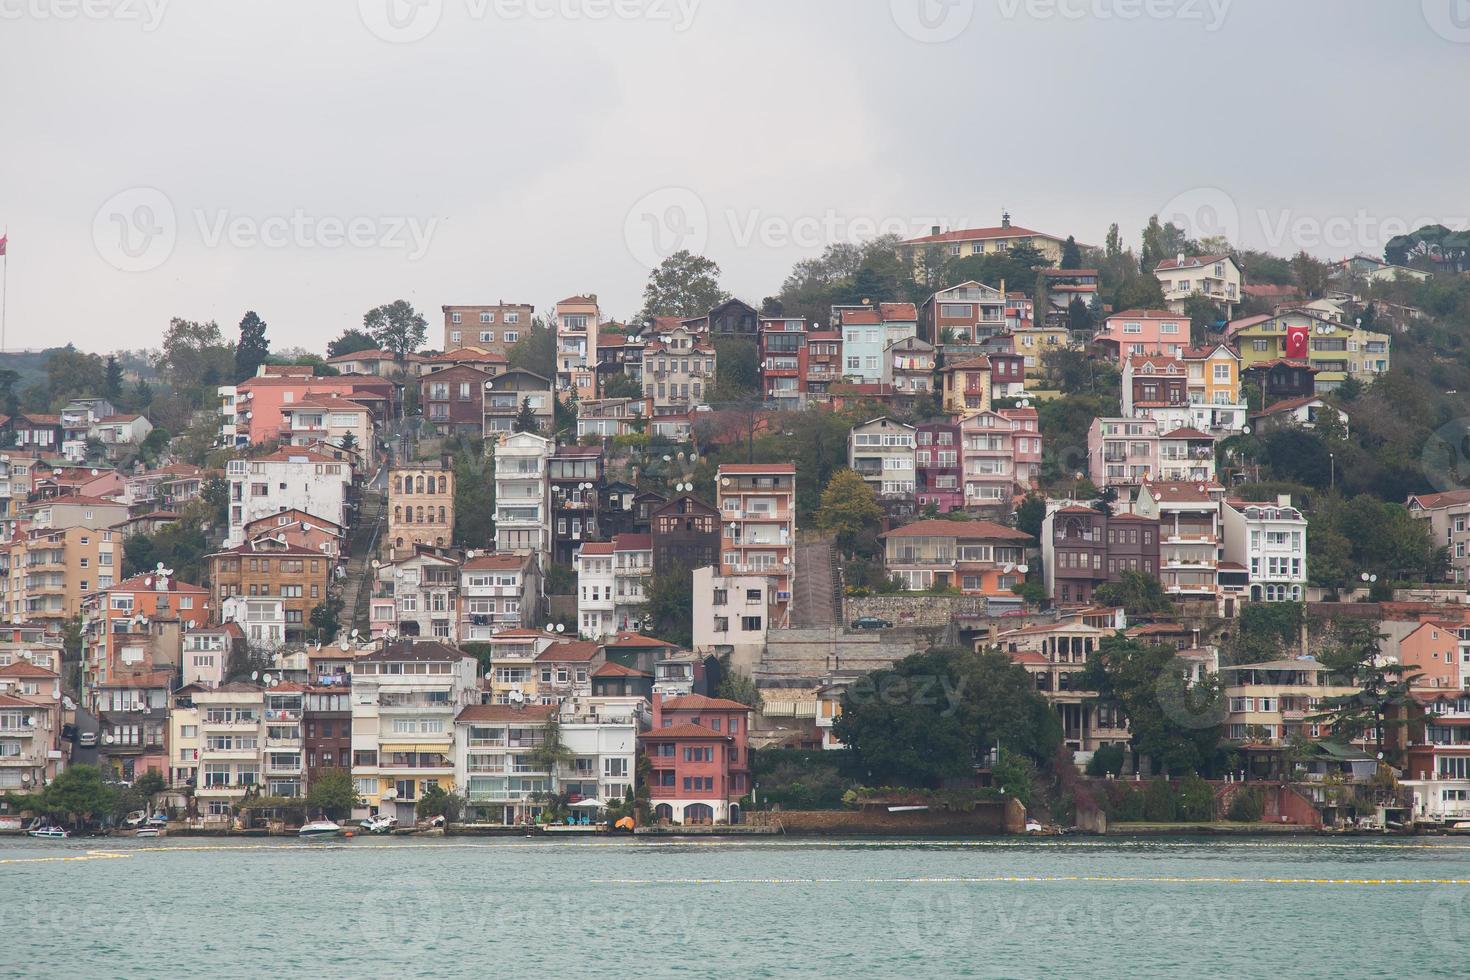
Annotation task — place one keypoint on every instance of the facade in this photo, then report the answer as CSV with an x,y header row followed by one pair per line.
x,y
1083,548
523,493
259,401
577,318
963,314
30,726
506,394
966,385
1144,333
1270,541
1269,703
265,568
952,245
230,741
291,479
908,372
420,507
498,593
999,452
594,565
685,532
867,331
757,503
497,764
1122,451
1215,277
495,328
881,451
1336,350
937,469
326,722
46,574
1056,655
452,400
730,615
699,759
784,361
576,475
825,364
1448,514
511,676
417,596
341,423
977,557
121,626
678,367
299,529
405,699
1190,535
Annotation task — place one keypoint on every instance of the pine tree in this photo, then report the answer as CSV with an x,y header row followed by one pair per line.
x,y
526,418
113,386
1071,254
253,348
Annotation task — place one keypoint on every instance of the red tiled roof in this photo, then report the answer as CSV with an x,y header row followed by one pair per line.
x,y
1277,361
865,315
898,311
10,701
1183,492
683,731
978,362
699,702
1445,499
1145,314
611,669
570,650
1186,433
499,562
749,468
518,634
635,640
296,452
24,668
936,528
974,234
633,542
597,548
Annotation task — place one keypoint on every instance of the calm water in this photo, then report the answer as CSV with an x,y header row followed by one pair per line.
x,y
620,908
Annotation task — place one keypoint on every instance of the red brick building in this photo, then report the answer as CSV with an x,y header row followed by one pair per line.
x,y
699,759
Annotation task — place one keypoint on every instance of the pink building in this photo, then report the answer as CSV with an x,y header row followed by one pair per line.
x,y
698,757
259,401
937,471
1000,452
1135,332
1433,649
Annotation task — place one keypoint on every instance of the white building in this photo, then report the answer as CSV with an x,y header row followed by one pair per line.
x,y
495,764
1216,277
230,735
261,618
632,567
405,698
523,494
730,615
290,479
497,593
417,596
603,734
594,564
1270,541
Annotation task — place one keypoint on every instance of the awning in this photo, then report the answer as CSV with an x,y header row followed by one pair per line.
x,y
589,804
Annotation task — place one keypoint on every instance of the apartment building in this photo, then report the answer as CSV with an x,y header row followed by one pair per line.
x,y
908,372
577,319
959,243
594,565
937,469
1270,542
420,507
824,363
999,452
1270,703
259,402
511,676
784,360
523,493
326,722
30,726
1336,350
495,328
405,699
576,476
1215,277
299,529
730,616
1144,333
452,399
207,652
964,314
507,393
1448,515
1122,452
1083,548
881,451
331,420
757,504
868,331
417,596
564,670
117,624
1190,536
289,479
678,368
231,738
612,578
46,573
498,593
699,758
966,385
685,533
978,557
1056,655
263,568
498,762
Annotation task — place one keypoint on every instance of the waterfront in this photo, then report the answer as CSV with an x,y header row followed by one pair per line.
x,y
1003,908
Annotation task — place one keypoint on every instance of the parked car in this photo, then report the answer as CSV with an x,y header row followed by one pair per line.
x,y
871,623
87,740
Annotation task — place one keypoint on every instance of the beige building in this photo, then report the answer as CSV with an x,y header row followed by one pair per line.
x,y
339,422
495,328
1268,703
45,574
30,726
577,318
678,369
420,508
1215,277
757,503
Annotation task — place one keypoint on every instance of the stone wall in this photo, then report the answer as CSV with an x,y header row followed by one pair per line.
x,y
915,610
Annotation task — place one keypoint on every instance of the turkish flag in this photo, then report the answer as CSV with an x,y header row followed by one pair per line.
x,y
4,239
1296,343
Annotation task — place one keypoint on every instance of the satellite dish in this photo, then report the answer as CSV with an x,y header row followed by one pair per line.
x,y
1023,569
376,563
255,675
344,645
561,627
94,472
725,482
266,678
355,634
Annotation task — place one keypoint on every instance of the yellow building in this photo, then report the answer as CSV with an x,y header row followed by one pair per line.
x,y
512,677
1213,375
1338,350
966,386
980,241
47,572
1034,343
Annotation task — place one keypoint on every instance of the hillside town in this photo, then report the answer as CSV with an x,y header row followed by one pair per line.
x,y
1168,534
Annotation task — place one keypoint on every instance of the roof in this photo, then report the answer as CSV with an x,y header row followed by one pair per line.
x,y
1192,261
699,702
506,712
898,311
1278,362
472,354
618,670
24,668
1448,498
496,561
368,355
683,731
10,701
859,315
248,548
758,468
290,453
569,650
635,640
1186,433
972,234
420,650
1146,314
143,582
1306,663
936,528
633,542
978,362
1183,492
597,548
517,634
1288,405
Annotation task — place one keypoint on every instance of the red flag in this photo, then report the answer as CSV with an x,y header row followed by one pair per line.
x,y
3,240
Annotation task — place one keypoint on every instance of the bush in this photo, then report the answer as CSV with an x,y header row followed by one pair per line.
x,y
1246,806
1128,808
1158,802
1106,760
1196,799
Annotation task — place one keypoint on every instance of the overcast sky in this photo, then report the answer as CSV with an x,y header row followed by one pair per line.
x,y
310,160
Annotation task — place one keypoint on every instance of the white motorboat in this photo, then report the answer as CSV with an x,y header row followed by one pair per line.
x,y
146,832
49,833
317,829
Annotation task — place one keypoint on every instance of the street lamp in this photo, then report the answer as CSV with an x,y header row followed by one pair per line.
x,y
1332,471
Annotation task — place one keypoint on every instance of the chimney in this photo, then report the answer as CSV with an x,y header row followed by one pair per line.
x,y
934,230
1179,258
658,710
1005,219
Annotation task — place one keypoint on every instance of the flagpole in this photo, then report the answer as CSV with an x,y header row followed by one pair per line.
x,y
4,282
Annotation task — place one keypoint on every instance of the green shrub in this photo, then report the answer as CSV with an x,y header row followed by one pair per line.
x,y
1246,806
1108,759
1158,801
1128,808
1196,799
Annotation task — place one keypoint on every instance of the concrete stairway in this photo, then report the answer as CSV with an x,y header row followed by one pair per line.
x,y
362,547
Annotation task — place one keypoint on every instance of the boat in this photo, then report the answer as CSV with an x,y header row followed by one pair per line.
x,y
146,832
49,833
318,828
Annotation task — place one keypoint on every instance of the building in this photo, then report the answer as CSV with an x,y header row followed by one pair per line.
x,y
230,742
1083,548
908,371
120,626
326,722
1448,514
612,578
263,568
1056,655
1144,333
999,452
495,328
1215,277
498,761
699,759
576,475
594,565
1186,455
784,361
259,401
498,593
406,698
420,507
678,368
47,573
824,363
511,676
950,245
330,420
1269,703
881,451
523,493
1270,541
937,470
452,400
730,616
868,331
207,652
30,726
577,319
1302,413
38,432
1189,536
1122,451
373,363
289,479
1435,649
507,393
686,533
757,504
416,596
564,670
299,529
966,385
977,557
1336,350
601,733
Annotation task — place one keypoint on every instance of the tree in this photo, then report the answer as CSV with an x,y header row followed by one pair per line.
x,y
351,342
1071,254
396,327
1383,687
195,356
1079,318
737,685
668,606
849,507
622,386
333,793
150,784
474,494
737,369
684,284
154,444
535,351
324,618
78,796
525,420
1195,799
1176,725
1158,801
1204,313
1161,242
436,802
72,374
112,384
245,661
252,348
1139,593
1311,273
937,715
